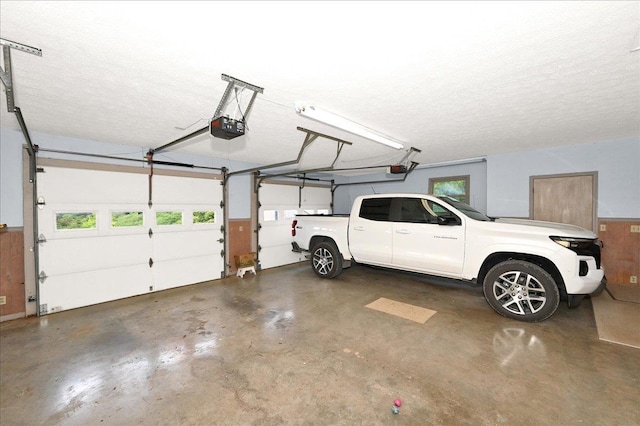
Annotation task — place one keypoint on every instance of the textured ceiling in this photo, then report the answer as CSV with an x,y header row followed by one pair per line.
x,y
454,79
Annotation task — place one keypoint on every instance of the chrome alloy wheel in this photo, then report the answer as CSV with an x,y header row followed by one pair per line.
x,y
519,292
322,261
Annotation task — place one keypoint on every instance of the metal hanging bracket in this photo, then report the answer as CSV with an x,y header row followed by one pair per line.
x,y
5,73
232,83
406,160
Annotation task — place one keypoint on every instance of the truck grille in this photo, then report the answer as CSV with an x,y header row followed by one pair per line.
x,y
589,248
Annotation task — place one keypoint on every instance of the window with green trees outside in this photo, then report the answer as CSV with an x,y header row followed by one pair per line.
x,y
76,220
204,217
454,186
169,218
122,219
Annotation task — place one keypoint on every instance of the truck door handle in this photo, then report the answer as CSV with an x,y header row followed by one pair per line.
x,y
402,231
358,228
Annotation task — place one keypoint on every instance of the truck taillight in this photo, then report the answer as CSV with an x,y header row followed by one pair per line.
x,y
293,228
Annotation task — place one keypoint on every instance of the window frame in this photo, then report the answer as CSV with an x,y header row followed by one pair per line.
x,y
465,178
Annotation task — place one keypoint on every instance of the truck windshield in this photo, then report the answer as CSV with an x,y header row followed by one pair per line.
x,y
464,208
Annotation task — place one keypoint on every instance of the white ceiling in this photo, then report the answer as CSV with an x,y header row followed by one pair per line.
x,y
454,79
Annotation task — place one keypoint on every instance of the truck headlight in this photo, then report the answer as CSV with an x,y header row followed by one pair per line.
x,y
576,243
582,246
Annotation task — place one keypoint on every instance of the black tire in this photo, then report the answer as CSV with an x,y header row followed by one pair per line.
x,y
521,290
326,260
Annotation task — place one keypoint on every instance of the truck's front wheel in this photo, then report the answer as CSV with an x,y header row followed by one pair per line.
x,y
521,290
326,260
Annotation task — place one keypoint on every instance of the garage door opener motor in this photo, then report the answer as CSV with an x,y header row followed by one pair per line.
x,y
223,126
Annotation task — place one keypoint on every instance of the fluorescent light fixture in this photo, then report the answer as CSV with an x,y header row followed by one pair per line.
x,y
333,120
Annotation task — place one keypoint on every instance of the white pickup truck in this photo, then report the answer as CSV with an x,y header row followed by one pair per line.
x,y
525,267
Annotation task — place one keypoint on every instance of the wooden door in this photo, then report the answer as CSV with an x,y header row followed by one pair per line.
x,y
570,198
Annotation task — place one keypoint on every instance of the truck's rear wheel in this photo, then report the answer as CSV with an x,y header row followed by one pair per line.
x,y
521,290
326,260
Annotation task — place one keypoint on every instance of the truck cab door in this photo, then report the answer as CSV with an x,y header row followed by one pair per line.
x,y
370,232
427,237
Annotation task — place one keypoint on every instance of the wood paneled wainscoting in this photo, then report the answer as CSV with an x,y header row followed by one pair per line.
x,y
12,274
621,257
240,240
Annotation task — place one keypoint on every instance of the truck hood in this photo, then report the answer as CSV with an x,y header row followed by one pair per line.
x,y
553,228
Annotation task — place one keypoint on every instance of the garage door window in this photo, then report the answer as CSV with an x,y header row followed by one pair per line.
x,y
75,220
169,218
125,219
204,217
270,215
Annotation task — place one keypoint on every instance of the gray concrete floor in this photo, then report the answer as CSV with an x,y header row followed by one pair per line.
x,y
285,347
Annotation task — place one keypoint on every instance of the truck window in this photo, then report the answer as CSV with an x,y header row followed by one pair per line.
x,y
375,209
465,208
442,213
416,210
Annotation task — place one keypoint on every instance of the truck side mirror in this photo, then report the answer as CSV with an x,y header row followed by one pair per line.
x,y
448,220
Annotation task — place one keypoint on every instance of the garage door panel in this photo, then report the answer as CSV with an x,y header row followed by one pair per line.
x,y
179,245
187,253
62,185
278,256
272,192
176,190
99,253
314,196
88,288
275,235
181,272
177,268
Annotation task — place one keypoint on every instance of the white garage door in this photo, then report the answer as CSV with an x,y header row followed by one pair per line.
x,y
192,251
103,242
279,203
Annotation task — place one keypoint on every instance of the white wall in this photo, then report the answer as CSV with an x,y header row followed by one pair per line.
x,y
12,141
416,182
615,161
499,186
